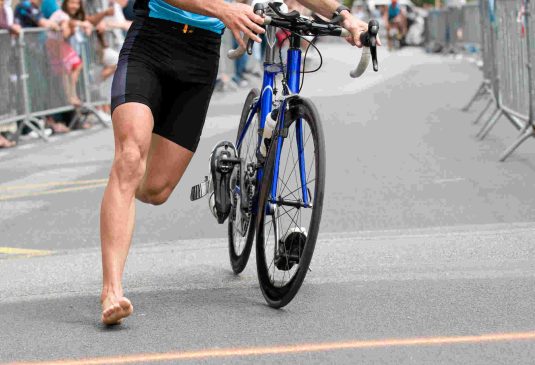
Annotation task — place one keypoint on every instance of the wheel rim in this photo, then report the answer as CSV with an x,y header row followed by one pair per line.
x,y
248,151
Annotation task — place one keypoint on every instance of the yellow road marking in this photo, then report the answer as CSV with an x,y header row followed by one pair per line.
x,y
48,192
291,349
23,251
51,184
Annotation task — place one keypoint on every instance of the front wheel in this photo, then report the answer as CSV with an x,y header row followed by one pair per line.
x,y
288,221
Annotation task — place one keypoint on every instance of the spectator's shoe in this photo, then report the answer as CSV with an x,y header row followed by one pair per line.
x,y
240,83
34,135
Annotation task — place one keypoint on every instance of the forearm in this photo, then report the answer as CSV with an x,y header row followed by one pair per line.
x,y
211,8
322,7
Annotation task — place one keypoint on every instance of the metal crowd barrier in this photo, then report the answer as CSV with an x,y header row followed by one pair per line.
x,y
504,30
436,28
510,91
471,24
34,81
529,130
11,106
452,29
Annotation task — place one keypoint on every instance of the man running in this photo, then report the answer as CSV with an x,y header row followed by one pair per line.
x,y
160,95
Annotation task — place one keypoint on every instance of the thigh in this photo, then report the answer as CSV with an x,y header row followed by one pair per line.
x,y
183,112
132,128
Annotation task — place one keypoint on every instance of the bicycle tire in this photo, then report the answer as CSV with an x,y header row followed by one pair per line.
x,y
238,261
279,296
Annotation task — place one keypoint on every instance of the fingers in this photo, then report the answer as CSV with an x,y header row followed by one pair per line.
x,y
250,29
357,41
256,18
255,27
237,36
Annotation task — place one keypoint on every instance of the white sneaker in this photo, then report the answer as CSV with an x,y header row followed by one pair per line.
x,y
34,135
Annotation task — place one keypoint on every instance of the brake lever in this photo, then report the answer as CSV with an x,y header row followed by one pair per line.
x,y
369,39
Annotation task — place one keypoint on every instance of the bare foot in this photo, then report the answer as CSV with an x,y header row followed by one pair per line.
x,y
6,143
115,309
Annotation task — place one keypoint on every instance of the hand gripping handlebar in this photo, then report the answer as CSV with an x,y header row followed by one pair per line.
x,y
369,42
368,39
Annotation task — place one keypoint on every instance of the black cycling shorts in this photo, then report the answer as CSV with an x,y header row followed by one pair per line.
x,y
172,69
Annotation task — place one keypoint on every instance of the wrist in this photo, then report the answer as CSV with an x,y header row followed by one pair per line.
x,y
219,10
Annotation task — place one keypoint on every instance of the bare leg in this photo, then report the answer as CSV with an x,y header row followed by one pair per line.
x,y
75,74
132,124
166,164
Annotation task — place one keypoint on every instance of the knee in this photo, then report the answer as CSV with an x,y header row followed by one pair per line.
x,y
154,195
128,166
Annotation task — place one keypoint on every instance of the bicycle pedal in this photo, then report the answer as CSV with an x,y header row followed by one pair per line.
x,y
201,190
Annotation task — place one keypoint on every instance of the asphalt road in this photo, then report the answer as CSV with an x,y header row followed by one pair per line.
x,y
426,253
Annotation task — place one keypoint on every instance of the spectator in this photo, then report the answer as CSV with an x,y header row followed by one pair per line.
x,y
49,7
128,10
240,63
6,19
6,23
359,9
71,19
117,22
28,15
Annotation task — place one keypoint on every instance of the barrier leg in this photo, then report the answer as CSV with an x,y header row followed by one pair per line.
x,y
483,112
479,93
33,124
515,121
489,125
529,133
93,110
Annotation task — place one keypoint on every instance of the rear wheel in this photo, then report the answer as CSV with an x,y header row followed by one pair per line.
x,y
241,227
286,227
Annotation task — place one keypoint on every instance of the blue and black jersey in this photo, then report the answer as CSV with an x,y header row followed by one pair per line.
x,y
160,9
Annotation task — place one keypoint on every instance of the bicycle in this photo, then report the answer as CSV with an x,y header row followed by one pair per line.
x,y
261,198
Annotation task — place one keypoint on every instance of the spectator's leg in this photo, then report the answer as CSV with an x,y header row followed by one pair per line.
x,y
75,75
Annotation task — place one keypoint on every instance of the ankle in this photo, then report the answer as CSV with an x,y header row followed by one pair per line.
x,y
111,292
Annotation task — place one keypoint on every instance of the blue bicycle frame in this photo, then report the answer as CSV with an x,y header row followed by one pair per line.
x,y
264,106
